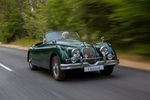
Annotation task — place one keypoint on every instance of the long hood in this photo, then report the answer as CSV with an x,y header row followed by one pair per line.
x,y
86,49
74,44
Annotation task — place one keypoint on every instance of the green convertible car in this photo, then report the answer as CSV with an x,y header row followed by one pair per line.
x,y
63,51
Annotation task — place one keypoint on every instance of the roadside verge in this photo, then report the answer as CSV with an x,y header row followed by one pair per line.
x,y
134,64
125,62
14,46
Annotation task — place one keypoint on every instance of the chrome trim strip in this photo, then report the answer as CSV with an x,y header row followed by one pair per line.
x,y
86,64
111,62
92,58
67,65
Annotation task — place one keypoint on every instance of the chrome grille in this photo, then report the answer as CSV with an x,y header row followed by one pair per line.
x,y
89,55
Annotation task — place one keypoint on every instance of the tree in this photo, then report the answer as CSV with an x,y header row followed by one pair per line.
x,y
63,15
35,18
131,23
95,13
11,21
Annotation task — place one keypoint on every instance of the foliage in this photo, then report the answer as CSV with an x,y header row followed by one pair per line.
x,y
94,14
11,21
63,15
125,23
35,20
26,42
131,24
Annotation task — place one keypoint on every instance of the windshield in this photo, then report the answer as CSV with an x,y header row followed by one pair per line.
x,y
60,36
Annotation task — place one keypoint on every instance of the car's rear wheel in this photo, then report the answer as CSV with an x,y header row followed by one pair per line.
x,y
107,70
31,66
56,71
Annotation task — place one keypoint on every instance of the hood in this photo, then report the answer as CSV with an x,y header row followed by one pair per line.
x,y
73,44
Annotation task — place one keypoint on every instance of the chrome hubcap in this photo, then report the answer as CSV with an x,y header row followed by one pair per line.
x,y
55,69
30,59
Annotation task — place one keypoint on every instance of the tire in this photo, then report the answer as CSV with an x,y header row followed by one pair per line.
x,y
58,75
31,66
107,70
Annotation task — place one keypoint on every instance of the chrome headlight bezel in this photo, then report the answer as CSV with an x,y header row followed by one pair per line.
x,y
104,50
110,56
75,53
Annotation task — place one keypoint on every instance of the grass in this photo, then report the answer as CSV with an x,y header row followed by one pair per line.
x,y
25,42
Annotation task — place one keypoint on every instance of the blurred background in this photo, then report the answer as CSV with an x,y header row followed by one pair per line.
x,y
123,23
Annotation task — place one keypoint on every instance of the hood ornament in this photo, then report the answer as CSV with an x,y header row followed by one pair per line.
x,y
84,44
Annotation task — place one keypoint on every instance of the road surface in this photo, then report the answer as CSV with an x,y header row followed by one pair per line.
x,y
18,82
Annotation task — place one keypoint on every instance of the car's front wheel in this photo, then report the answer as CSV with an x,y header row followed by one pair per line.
x,y
31,66
107,70
56,71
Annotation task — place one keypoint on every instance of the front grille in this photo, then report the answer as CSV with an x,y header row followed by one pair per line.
x,y
89,55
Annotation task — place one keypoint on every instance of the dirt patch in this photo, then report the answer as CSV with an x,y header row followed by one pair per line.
x,y
134,64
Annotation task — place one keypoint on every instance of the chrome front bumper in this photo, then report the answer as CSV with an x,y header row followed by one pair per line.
x,y
86,64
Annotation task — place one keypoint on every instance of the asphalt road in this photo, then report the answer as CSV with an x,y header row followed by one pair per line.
x,y
18,82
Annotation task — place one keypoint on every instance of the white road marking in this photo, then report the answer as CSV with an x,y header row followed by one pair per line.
x,y
5,67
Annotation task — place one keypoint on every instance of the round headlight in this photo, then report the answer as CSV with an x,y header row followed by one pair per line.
x,y
110,56
75,53
104,50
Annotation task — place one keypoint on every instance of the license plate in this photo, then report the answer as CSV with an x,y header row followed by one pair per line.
x,y
93,68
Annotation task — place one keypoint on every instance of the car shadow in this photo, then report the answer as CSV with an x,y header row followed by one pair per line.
x,y
44,72
78,76
90,76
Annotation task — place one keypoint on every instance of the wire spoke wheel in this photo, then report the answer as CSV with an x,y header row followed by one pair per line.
x,y
31,66
56,71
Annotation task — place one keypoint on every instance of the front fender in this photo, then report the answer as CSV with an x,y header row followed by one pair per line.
x,y
60,52
110,48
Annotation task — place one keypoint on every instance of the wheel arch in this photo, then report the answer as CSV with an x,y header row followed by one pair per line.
x,y
57,52
50,61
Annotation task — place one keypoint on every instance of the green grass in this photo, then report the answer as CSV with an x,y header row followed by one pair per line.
x,y
137,49
25,42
